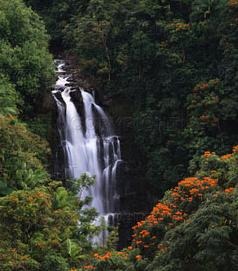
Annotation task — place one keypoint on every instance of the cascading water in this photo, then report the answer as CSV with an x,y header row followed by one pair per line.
x,y
89,143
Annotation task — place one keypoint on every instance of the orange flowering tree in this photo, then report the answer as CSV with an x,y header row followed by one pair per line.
x,y
183,201
108,260
221,167
206,241
175,207
39,229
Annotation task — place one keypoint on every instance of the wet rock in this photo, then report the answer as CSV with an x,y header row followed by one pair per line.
x,y
59,97
76,98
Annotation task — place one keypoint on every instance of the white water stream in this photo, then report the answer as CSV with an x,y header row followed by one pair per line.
x,y
89,142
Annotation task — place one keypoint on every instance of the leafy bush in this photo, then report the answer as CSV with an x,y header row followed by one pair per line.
x,y
8,97
24,56
45,228
22,163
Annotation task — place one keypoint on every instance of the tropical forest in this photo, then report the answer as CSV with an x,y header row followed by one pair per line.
x,y
118,135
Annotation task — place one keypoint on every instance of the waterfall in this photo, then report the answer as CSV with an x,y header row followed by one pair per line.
x,y
89,142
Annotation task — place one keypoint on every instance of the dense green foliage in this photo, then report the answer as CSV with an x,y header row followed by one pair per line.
x,y
25,71
39,229
174,63
24,58
21,161
174,66
169,69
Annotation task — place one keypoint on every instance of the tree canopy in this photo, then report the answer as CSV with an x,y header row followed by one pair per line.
x,y
167,72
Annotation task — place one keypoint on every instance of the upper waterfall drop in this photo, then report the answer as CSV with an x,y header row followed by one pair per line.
x,y
88,141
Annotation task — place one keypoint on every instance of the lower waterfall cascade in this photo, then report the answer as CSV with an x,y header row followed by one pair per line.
x,y
89,143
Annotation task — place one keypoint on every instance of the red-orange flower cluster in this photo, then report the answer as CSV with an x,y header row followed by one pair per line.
x,y
138,257
229,190
191,188
144,233
104,257
169,212
226,156
208,154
